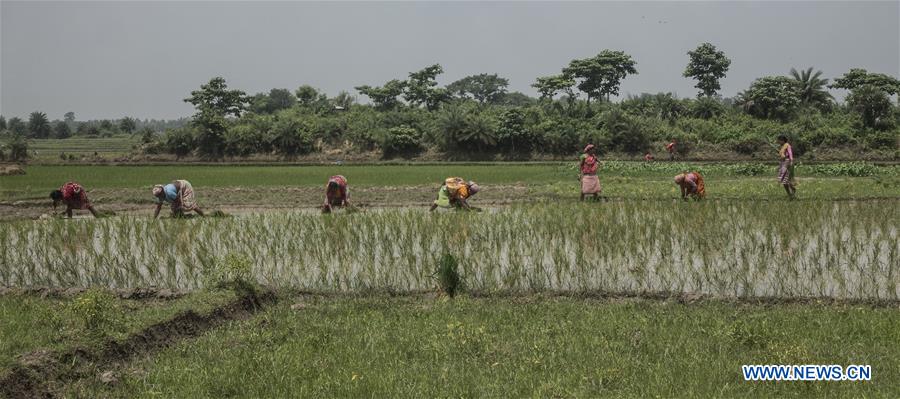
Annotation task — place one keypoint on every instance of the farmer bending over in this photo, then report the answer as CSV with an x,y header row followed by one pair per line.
x,y
180,194
455,194
73,195
337,193
691,183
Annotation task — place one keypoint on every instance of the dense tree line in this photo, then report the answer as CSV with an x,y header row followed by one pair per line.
x,y
477,115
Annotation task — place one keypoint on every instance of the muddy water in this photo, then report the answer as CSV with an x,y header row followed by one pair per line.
x,y
829,249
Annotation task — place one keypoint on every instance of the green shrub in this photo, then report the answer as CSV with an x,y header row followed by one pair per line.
x,y
97,311
447,274
402,140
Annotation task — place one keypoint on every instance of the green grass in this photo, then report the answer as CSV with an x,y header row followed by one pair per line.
x,y
526,347
49,149
842,249
635,177
30,322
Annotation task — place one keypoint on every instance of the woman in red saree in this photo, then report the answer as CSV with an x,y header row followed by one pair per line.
x,y
73,196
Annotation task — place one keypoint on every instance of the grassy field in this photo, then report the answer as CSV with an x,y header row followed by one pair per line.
x,y
642,295
743,249
278,185
105,147
525,347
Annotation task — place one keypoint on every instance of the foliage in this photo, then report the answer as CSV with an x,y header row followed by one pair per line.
x,y
858,77
39,125
98,312
421,88
548,86
872,104
812,89
449,280
773,97
626,133
707,65
18,148
180,141
401,140
292,136
127,125
214,103
384,97
601,75
62,130
484,88
232,270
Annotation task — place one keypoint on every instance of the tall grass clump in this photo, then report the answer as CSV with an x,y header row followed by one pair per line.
x,y
447,275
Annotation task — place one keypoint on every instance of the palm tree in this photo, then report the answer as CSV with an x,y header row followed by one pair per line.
x,y
812,90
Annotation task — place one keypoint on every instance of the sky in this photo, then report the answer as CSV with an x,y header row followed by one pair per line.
x,y
141,59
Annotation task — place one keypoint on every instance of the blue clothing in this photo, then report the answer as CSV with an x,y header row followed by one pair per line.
x,y
171,192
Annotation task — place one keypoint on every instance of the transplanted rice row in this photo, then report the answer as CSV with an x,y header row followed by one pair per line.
x,y
739,249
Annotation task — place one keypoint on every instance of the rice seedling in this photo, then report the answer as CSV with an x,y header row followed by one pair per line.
x,y
840,249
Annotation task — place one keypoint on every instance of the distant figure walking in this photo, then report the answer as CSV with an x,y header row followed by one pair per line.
x,y
590,183
671,148
691,184
180,194
455,193
648,156
73,196
786,167
337,193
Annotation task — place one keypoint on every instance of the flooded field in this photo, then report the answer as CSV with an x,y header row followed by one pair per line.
x,y
840,249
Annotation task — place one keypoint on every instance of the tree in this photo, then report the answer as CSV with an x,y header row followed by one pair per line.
x,y
343,100
17,126
421,88
62,130
548,86
281,99
812,86
69,117
18,147
127,124
484,88
214,103
871,102
601,75
276,100
858,77
384,97
38,125
707,65
309,95
772,97
214,98
2,123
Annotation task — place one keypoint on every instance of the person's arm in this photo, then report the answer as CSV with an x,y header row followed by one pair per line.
x,y
199,211
93,212
68,211
433,207
156,212
790,154
347,196
683,192
463,203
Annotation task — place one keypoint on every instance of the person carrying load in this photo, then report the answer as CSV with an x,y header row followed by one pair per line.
x,y
180,194
590,183
73,195
455,194
691,183
337,193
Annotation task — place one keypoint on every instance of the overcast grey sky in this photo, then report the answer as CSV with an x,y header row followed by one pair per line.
x,y
108,59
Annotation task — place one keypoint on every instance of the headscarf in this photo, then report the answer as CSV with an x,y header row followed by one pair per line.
x,y
158,190
588,148
473,187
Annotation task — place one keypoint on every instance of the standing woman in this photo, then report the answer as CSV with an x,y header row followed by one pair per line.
x,y
337,193
73,195
590,183
691,183
180,194
786,167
